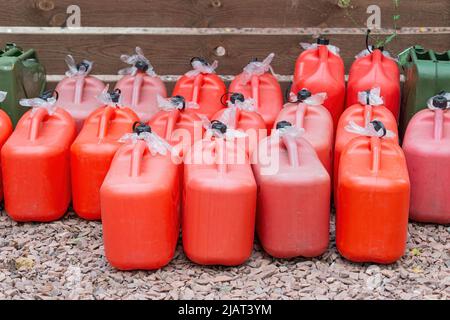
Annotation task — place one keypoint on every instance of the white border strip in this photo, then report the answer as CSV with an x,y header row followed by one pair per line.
x,y
217,31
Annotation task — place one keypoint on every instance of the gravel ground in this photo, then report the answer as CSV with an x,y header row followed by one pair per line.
x,y
65,260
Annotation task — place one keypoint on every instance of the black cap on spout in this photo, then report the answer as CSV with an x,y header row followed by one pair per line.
x,y
323,41
141,66
283,124
179,100
303,94
48,94
115,95
140,127
84,65
237,97
440,102
219,126
199,59
378,125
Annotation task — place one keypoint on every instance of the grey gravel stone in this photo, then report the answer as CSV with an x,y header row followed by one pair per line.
x,y
65,260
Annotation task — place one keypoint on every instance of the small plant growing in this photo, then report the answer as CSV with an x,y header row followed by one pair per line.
x,y
379,42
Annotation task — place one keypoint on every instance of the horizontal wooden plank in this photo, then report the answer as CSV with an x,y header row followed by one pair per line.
x,y
171,54
223,13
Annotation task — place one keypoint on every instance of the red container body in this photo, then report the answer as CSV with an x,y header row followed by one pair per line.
x,y
318,125
266,92
373,201
204,89
371,71
181,128
92,153
219,201
139,92
427,149
359,114
248,122
140,209
78,95
6,129
36,166
293,215
320,70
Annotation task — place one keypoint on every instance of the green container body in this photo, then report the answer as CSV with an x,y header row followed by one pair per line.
x,y
21,76
427,73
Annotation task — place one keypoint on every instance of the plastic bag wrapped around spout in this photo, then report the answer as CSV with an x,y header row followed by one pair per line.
x,y
45,101
81,69
375,128
138,63
201,66
314,100
156,144
175,103
257,68
112,99
3,95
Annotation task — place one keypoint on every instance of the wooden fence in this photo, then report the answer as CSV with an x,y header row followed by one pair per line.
x,y
231,31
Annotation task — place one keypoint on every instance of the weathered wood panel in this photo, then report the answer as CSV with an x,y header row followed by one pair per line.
x,y
171,54
222,13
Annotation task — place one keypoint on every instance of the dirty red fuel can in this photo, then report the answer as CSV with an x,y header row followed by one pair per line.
x,y
202,86
35,162
258,82
373,197
140,200
293,215
6,129
218,221
93,150
306,111
370,107
178,123
241,116
427,149
320,69
375,69
140,85
78,91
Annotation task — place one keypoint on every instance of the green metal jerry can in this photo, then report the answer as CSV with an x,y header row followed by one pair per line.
x,y
427,73
21,76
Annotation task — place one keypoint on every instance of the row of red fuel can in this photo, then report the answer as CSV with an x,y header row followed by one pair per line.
x,y
230,174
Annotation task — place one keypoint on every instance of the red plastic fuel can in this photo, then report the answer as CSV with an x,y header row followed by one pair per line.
x,y
140,206
293,215
371,70
373,199
257,83
320,69
362,114
427,149
202,87
35,162
6,129
218,221
78,91
140,86
92,153
308,113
